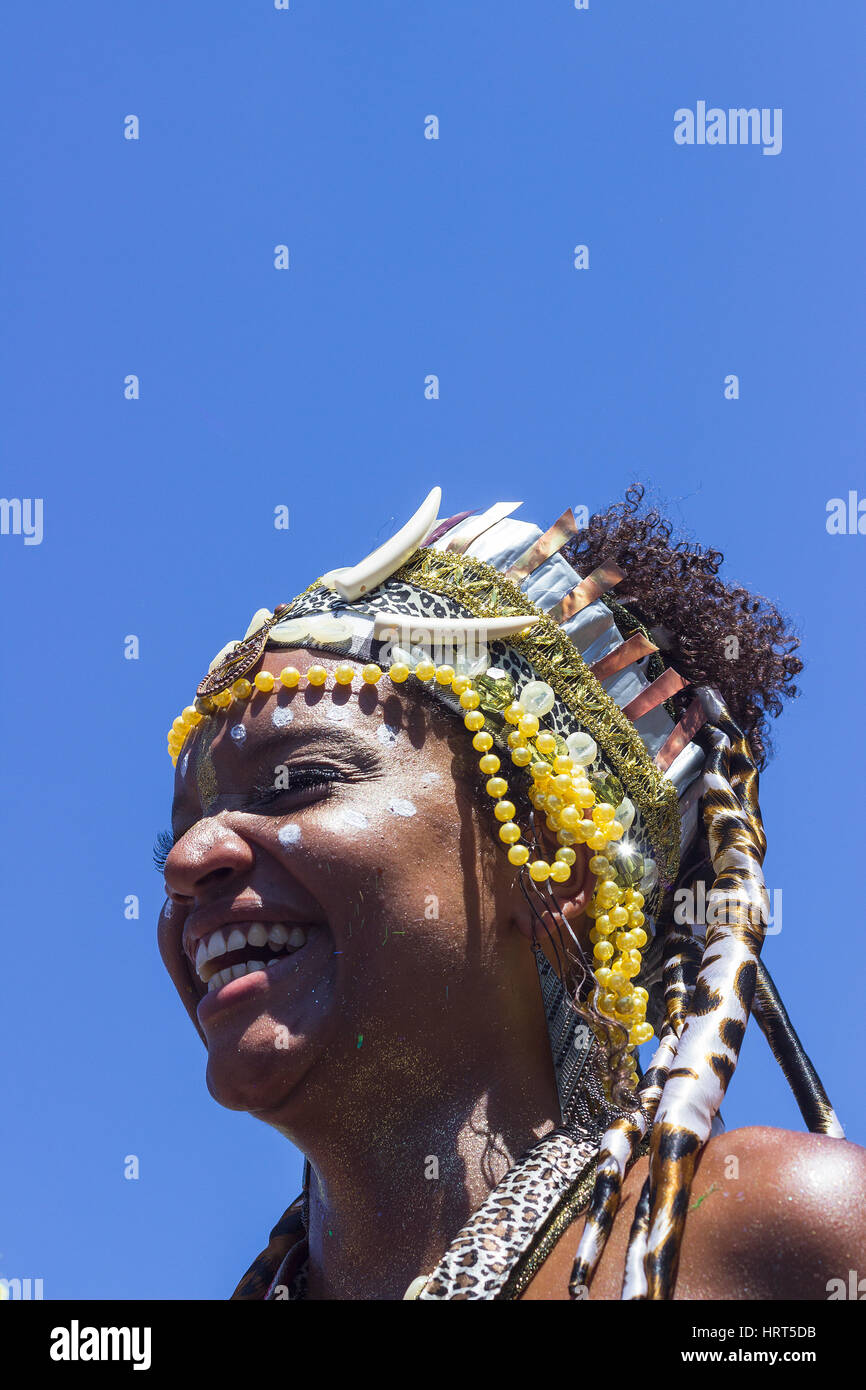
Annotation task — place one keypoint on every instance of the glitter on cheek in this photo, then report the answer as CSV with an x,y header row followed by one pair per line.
x,y
289,835
401,808
281,716
238,733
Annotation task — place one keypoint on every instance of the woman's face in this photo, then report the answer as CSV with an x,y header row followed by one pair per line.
x,y
335,837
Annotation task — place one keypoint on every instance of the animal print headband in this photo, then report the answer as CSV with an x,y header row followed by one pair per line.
x,y
545,669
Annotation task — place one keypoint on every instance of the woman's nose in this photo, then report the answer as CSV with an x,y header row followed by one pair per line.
x,y
210,854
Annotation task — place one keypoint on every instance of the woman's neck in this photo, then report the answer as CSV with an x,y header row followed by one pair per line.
x,y
387,1200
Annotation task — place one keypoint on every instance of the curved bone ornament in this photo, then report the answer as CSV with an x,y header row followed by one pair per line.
x,y
352,581
388,625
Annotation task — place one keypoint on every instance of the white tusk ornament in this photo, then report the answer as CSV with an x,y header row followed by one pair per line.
x,y
352,581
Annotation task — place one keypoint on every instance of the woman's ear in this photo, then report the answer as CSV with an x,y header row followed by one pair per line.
x,y
571,896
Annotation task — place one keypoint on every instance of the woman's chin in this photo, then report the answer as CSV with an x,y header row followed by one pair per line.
x,y
258,1070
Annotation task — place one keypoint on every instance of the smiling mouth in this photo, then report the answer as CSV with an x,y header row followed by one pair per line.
x,y
241,948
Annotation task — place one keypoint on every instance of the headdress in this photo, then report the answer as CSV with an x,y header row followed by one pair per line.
x,y
567,700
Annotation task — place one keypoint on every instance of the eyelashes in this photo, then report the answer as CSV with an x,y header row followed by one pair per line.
x,y
304,779
264,794
162,847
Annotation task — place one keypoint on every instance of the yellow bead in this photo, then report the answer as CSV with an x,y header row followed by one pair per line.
x,y
509,833
459,684
545,743
552,822
516,739
489,764
425,671
540,773
604,924
178,726
640,937
482,742
559,872
521,757
562,783
644,1032
241,689
504,810
636,917
599,864
316,675
539,871
513,713
470,699
399,672
618,916
263,681
474,720
445,675
190,716
223,699
528,725
518,854
637,899
562,763
615,831
344,673
585,799
289,676
603,974
596,841
497,786
570,817
603,950
372,673
603,813
566,856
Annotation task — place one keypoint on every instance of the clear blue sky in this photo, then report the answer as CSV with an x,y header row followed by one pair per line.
x,y
305,387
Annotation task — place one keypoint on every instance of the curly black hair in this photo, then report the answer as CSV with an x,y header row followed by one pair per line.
x,y
672,587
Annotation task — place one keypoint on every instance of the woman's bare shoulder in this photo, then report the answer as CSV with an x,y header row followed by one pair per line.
x,y
772,1214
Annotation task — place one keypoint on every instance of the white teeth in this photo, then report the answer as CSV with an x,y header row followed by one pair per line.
x,y
200,956
297,936
257,934
278,935
237,940
254,965
216,945
238,970
213,983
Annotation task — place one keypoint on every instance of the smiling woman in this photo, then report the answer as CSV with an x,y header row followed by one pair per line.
x,y
428,825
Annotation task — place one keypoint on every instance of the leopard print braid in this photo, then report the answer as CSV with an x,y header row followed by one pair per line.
x,y
620,1143
720,1005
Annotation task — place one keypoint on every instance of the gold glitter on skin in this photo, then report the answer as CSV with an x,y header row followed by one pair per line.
x,y
204,771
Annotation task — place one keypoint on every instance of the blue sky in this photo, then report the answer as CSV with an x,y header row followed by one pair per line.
x,y
305,388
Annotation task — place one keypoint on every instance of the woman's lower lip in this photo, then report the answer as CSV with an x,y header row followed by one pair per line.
x,y
247,986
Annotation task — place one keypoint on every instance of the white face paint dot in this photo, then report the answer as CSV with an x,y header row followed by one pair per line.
x,y
282,716
289,834
387,734
429,778
168,908
184,764
356,820
335,711
401,808
238,733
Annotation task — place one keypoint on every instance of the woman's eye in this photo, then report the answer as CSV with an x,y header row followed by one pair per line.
x,y
295,780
